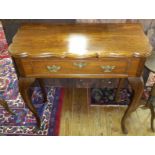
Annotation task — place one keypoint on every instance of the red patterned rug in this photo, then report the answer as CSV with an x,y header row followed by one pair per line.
x,y
24,123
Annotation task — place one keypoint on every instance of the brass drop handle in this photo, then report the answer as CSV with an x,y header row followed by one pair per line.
x,y
108,68
80,64
53,68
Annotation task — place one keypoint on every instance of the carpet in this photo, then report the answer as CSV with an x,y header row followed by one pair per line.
x,y
24,123
106,96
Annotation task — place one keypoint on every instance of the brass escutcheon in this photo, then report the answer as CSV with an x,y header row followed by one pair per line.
x,y
108,68
80,64
53,68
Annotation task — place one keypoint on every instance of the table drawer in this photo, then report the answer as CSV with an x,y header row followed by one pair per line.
x,y
58,67
84,68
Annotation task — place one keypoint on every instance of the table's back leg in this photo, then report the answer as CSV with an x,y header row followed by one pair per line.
x,y
149,105
152,117
24,85
137,85
42,85
119,86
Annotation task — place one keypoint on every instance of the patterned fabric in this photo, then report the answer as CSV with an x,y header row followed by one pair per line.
x,y
24,123
106,96
3,44
151,80
8,80
8,77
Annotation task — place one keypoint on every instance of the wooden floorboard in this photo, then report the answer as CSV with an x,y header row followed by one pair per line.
x,y
78,118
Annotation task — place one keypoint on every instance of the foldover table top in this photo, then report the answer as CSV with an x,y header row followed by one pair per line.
x,y
80,40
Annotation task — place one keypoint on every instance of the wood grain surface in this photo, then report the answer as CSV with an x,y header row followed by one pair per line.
x,y
78,118
80,40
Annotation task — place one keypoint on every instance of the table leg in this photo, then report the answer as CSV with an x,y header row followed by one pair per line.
x,y
42,85
137,85
120,84
24,85
152,117
151,107
6,107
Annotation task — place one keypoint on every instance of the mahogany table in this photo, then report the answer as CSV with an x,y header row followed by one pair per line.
x,y
80,51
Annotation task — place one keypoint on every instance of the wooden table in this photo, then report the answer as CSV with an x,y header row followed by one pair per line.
x,y
80,51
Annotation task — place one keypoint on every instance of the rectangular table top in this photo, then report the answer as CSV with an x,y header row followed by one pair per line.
x,y
80,40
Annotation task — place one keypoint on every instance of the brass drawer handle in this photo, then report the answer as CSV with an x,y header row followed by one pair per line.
x,y
53,68
108,68
80,64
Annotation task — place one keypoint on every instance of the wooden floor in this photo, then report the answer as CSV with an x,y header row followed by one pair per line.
x,y
78,118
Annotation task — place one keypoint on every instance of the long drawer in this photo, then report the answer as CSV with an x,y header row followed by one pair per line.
x,y
77,68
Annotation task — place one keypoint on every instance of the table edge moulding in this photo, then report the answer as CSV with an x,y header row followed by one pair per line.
x,y
81,51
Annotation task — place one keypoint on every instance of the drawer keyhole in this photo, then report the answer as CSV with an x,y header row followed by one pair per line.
x,y
80,64
53,68
108,68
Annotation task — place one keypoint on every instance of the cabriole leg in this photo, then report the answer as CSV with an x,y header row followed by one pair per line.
x,y
24,85
137,85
